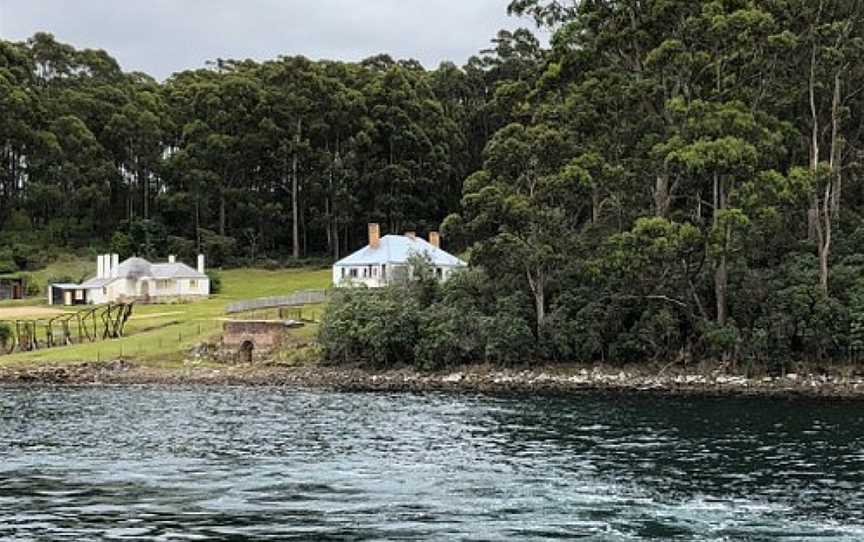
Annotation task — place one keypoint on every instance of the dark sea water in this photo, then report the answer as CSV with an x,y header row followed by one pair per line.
x,y
150,463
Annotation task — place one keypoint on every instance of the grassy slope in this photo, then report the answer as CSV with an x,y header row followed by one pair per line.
x,y
68,266
159,334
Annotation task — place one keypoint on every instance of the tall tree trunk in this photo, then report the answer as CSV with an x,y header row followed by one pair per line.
x,y
304,234
537,283
721,273
813,214
823,234
221,211
295,208
825,247
836,148
329,228
145,194
335,239
661,196
197,225
831,201
721,280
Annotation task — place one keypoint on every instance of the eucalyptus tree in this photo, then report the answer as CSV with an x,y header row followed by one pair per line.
x,y
19,107
825,44
523,208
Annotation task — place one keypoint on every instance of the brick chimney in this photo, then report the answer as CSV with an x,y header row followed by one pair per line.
x,y
411,235
435,239
374,235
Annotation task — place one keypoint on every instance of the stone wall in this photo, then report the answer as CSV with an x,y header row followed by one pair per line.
x,y
265,335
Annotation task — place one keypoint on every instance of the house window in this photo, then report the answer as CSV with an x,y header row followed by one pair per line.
x,y
104,291
163,284
193,283
439,273
79,295
353,273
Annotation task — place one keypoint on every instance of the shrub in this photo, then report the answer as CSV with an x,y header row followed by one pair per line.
x,y
5,334
507,334
181,247
121,244
721,340
7,261
376,328
449,335
35,289
219,249
215,281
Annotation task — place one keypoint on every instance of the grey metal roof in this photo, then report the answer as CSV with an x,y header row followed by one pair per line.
x,y
396,249
96,283
135,268
175,271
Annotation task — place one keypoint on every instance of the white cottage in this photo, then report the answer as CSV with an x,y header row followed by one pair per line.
x,y
135,279
385,259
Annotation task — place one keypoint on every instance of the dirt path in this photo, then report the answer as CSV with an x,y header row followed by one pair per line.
x,y
155,315
27,313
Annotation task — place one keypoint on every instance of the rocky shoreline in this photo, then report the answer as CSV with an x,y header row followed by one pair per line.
x,y
474,379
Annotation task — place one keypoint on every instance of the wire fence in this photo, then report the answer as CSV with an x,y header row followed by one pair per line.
x,y
134,346
303,297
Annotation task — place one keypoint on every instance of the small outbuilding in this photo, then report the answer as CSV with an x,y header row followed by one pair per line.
x,y
135,279
12,286
386,259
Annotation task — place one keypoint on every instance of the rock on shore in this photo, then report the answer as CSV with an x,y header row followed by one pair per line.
x,y
551,379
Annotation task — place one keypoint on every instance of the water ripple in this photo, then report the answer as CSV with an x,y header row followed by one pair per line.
x,y
149,463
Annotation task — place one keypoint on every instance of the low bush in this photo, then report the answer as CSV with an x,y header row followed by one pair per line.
x,y
377,328
5,335
215,281
427,325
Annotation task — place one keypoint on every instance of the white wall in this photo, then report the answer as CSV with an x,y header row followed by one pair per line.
x,y
124,289
182,287
185,287
373,278
377,279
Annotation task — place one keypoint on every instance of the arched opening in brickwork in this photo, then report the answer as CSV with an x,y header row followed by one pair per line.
x,y
246,351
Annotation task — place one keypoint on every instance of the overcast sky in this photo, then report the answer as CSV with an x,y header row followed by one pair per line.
x,y
163,36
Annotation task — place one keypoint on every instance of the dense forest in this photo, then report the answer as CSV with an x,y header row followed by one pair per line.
x,y
242,160
668,179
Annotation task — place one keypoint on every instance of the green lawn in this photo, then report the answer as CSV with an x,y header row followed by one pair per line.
x,y
67,266
160,334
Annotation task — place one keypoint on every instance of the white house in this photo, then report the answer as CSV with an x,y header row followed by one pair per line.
x,y
135,279
385,259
